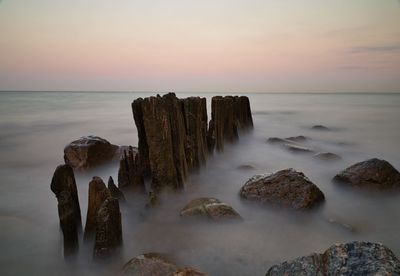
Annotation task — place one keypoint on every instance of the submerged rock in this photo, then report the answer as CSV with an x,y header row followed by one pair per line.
x,y
299,138
63,185
115,191
327,156
374,173
354,258
156,264
108,229
149,264
98,193
246,167
320,127
297,149
209,208
88,152
287,188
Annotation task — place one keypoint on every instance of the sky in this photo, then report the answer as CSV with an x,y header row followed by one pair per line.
x,y
200,46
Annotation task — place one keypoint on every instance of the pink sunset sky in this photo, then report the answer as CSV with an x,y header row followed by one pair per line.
x,y
201,46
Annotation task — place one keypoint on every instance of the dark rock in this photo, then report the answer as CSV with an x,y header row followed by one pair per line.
x,y
63,185
130,174
320,127
108,229
327,156
277,140
373,173
209,208
98,193
152,200
287,188
195,114
242,112
211,138
188,271
149,264
297,149
354,258
299,138
114,191
246,167
88,152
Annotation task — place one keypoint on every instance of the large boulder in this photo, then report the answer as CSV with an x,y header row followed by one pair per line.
x,y
287,188
354,258
98,193
209,208
63,185
108,229
156,264
370,173
90,151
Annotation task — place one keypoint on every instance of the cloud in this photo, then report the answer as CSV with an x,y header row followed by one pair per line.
x,y
374,49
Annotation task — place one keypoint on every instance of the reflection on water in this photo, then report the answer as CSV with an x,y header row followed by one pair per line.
x,y
37,126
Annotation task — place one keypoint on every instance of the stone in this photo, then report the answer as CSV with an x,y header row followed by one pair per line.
x,y
63,185
209,208
89,152
354,258
115,191
373,173
246,167
297,139
242,112
277,140
108,229
130,172
297,149
188,271
98,193
320,127
327,156
195,115
287,188
149,264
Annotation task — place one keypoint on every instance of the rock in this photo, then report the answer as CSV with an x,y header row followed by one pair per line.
x,y
299,138
98,193
242,112
188,271
320,127
130,172
354,258
327,156
152,200
373,173
149,264
156,264
63,185
195,114
114,191
287,188
246,167
108,229
297,149
277,140
343,225
88,152
209,208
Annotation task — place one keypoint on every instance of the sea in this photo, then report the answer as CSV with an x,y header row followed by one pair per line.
x,y
36,126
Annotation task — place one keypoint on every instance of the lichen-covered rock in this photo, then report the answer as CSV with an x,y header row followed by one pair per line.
x,y
287,188
149,264
108,229
374,173
63,185
327,156
115,191
209,208
98,193
88,152
130,172
354,258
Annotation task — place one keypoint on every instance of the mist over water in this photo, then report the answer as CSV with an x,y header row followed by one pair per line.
x,y
35,127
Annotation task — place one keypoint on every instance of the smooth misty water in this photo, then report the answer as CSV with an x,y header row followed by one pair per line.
x,y
35,127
